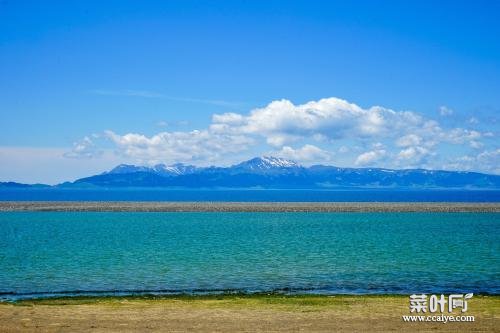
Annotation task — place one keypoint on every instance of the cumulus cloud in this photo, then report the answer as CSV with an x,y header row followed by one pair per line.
x,y
460,136
403,138
229,118
476,144
486,161
84,148
193,146
307,153
408,140
370,157
413,156
281,123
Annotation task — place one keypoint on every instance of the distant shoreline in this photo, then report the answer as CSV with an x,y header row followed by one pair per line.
x,y
151,206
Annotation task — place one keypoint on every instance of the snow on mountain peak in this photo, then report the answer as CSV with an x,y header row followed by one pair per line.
x,y
257,164
177,169
127,168
162,169
267,162
279,162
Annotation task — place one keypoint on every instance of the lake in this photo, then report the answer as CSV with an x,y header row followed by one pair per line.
x,y
250,195
46,254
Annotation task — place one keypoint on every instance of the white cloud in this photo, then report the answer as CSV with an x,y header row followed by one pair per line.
x,y
375,136
85,148
370,157
281,123
307,153
486,161
460,136
473,121
445,111
278,140
409,140
229,118
476,144
412,156
169,147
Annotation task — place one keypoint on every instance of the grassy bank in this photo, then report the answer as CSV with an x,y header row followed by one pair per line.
x,y
234,313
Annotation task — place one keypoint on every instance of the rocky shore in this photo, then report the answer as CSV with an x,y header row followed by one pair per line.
x,y
128,206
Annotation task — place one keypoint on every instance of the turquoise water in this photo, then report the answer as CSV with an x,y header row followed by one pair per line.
x,y
46,254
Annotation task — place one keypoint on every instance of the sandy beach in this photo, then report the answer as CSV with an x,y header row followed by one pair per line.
x,y
273,313
149,206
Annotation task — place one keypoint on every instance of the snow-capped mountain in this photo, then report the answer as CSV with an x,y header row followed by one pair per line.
x,y
266,163
127,168
174,169
274,172
160,169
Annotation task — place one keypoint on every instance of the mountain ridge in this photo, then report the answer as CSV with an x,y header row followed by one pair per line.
x,y
269,172
273,172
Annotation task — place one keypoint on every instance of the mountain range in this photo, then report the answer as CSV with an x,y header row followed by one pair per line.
x,y
276,173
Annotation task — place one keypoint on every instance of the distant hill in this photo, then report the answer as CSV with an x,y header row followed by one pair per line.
x,y
274,173
20,185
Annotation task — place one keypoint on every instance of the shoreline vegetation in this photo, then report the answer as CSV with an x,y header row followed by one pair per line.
x,y
230,313
163,206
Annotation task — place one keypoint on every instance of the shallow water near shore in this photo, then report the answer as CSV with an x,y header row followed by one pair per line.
x,y
45,254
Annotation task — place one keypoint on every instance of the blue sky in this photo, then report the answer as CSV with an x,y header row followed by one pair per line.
x,y
85,85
